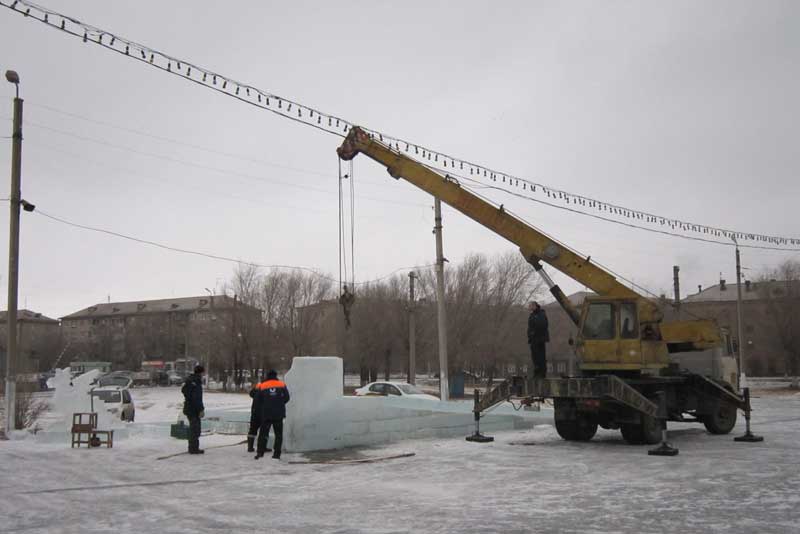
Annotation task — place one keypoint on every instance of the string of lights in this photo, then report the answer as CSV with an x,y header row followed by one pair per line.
x,y
338,126
217,256
614,221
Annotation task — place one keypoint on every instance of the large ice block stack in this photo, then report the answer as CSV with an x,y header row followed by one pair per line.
x,y
319,417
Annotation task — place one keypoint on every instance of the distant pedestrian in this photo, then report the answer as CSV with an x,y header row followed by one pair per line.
x,y
538,336
272,397
193,407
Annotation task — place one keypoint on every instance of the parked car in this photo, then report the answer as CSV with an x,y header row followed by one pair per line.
x,y
117,400
123,380
175,379
399,389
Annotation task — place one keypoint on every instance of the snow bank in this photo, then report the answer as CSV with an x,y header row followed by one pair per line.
x,y
320,417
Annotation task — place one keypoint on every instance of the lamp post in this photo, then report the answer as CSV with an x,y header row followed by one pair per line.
x,y
207,363
15,201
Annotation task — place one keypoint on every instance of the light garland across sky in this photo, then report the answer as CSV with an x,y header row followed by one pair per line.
x,y
310,116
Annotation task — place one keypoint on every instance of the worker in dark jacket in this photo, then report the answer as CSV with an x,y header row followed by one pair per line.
x,y
272,397
252,432
193,407
255,421
538,336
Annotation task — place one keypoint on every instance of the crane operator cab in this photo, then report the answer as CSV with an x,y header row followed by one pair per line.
x,y
614,337
624,334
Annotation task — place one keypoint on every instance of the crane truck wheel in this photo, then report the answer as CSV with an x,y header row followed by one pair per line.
x,y
582,428
571,424
646,432
721,419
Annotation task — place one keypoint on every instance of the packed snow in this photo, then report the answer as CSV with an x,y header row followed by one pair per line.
x,y
526,481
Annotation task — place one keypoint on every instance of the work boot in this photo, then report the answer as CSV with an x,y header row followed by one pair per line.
x,y
250,445
259,455
198,451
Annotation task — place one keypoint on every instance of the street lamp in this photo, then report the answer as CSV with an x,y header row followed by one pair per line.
x,y
208,340
15,201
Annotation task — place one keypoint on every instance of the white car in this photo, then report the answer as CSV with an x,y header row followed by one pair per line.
x,y
399,389
117,400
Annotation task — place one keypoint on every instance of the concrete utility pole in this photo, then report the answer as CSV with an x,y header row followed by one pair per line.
x,y
444,388
412,334
743,374
15,200
676,282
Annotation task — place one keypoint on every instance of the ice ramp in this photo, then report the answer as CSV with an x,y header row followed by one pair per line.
x,y
320,417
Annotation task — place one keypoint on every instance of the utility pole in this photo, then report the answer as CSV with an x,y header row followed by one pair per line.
x,y
412,334
15,200
235,343
444,388
676,282
743,374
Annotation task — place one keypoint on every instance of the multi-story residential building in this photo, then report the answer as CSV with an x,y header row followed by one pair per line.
x,y
206,328
38,339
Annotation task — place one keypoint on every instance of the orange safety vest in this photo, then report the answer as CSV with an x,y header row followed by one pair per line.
x,y
271,383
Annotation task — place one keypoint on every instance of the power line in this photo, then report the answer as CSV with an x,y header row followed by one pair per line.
x,y
232,155
622,223
214,256
337,126
210,168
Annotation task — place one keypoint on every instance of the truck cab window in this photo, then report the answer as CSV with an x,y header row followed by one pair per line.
x,y
599,323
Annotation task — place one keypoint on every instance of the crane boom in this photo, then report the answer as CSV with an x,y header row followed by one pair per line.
x,y
533,244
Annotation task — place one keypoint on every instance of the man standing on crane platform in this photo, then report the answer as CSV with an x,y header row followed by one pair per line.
x,y
538,336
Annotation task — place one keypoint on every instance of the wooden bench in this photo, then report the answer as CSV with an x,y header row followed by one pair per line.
x,y
85,423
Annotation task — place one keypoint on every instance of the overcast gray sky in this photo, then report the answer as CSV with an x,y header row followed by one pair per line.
x,y
685,109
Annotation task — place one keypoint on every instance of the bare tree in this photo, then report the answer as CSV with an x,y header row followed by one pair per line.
x,y
780,288
289,323
485,300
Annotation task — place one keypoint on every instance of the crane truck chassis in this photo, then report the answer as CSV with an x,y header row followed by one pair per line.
x,y
636,371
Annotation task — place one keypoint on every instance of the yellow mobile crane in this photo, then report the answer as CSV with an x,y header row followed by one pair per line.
x,y
633,373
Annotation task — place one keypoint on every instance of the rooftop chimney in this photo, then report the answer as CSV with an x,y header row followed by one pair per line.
x,y
722,285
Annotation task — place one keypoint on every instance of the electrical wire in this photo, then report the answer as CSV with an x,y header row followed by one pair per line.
x,y
232,155
217,256
341,126
608,219
341,229
208,167
352,223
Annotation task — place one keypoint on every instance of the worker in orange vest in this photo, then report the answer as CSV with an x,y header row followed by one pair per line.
x,y
271,398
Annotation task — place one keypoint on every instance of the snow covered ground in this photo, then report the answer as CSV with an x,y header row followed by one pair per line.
x,y
526,481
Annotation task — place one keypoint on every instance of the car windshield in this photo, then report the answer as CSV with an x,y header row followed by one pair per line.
x,y
408,389
107,396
